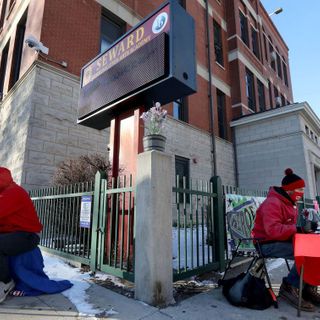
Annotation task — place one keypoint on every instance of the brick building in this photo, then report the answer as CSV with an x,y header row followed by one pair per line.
x,y
243,71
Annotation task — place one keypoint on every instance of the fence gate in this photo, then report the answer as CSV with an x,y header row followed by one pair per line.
x,y
112,246
198,227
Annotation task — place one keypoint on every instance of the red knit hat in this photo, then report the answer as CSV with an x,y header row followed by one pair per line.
x,y
291,181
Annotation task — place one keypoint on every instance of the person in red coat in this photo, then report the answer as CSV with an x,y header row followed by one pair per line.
x,y
19,227
275,226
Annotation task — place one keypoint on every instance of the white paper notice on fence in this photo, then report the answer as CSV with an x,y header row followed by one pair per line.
x,y
85,211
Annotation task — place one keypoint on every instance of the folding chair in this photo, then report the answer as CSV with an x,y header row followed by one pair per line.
x,y
239,226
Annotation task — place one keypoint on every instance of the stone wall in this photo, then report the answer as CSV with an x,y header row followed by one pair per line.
x,y
42,130
194,144
266,147
15,111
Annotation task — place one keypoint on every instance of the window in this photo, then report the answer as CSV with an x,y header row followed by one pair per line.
x,y
182,3
3,67
17,51
276,97
255,43
270,94
262,99
279,66
3,12
250,90
222,121
180,109
244,28
218,43
283,100
265,47
112,28
182,170
311,135
306,129
316,139
285,75
273,56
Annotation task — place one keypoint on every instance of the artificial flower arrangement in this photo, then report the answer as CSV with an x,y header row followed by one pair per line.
x,y
154,119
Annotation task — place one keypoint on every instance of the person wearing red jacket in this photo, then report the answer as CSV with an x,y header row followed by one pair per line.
x,y
19,227
275,226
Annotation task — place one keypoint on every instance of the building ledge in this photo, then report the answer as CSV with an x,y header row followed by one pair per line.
x,y
302,108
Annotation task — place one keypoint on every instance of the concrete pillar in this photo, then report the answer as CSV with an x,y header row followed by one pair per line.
x,y
153,236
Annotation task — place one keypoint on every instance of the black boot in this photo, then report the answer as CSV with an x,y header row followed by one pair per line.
x,y
310,293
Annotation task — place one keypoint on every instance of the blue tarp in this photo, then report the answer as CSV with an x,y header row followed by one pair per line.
x,y
27,272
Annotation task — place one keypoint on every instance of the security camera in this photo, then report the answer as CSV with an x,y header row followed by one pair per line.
x,y
35,44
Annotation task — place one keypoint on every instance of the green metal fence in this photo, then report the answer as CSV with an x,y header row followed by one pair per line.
x,y
106,241
59,212
197,228
113,227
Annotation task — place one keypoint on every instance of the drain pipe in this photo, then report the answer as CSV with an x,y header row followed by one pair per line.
x,y
213,140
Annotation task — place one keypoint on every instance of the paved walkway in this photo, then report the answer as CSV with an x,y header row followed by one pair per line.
x,y
209,305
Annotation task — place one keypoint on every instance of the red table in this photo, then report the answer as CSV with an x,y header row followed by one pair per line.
x,y
307,258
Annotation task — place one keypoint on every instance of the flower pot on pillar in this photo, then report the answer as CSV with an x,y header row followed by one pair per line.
x,y
154,142
153,125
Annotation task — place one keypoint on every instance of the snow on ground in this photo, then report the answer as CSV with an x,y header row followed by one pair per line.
x,y
57,269
191,244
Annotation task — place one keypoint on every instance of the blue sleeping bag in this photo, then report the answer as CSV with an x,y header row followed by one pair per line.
x,y
27,272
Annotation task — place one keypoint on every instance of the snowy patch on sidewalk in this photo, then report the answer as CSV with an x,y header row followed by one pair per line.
x,y
57,269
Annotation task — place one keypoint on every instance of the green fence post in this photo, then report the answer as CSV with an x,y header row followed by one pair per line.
x,y
219,222
95,219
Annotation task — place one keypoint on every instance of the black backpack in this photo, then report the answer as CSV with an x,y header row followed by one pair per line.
x,y
248,291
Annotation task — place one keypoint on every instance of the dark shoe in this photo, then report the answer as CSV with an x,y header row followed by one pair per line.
x,y
310,294
291,295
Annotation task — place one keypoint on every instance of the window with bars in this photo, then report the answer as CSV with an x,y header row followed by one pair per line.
x,y
218,49
250,90
244,28
111,29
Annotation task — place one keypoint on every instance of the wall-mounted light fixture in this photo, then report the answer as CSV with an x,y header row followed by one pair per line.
x,y
277,11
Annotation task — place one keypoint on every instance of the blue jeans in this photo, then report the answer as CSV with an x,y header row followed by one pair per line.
x,y
282,250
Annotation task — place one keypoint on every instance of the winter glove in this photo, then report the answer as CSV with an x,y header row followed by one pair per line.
x,y
309,227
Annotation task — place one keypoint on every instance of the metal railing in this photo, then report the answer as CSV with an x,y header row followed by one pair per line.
x,y
59,212
194,228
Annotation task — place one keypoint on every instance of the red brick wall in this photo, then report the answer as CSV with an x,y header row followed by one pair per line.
x,y
71,30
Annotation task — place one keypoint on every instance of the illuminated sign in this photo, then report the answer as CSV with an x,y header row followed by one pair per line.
x,y
155,61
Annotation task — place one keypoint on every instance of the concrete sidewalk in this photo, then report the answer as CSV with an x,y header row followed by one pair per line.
x,y
209,305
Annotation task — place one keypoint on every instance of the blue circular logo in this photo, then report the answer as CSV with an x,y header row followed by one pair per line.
x,y
160,22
